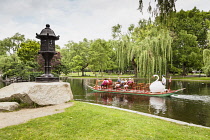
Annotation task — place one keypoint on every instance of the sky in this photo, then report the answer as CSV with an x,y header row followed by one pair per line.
x,y
74,20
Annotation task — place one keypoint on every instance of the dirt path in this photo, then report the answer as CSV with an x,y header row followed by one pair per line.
x,y
24,115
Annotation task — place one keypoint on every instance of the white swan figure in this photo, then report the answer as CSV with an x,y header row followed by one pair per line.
x,y
156,86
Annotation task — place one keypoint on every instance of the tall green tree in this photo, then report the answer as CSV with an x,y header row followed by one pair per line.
x,y
121,44
100,52
74,52
77,63
147,47
194,22
186,54
190,30
152,52
16,40
11,44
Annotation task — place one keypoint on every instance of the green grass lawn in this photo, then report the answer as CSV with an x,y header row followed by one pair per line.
x,y
193,78
96,74
89,122
106,75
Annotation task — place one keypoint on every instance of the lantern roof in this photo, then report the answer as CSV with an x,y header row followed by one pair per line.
x,y
47,33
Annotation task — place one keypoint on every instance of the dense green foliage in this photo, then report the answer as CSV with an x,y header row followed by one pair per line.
x,y
75,55
28,50
85,121
96,55
147,47
11,44
190,31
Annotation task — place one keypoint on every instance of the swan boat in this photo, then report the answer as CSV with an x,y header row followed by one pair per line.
x,y
155,89
136,92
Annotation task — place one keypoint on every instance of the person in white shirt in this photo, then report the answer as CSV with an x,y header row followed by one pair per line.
x,y
163,80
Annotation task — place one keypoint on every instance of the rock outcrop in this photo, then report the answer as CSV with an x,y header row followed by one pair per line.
x,y
39,93
8,106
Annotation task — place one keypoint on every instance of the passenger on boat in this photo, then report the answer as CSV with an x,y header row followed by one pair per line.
x,y
110,84
122,83
110,81
126,86
105,83
163,80
117,85
130,82
118,80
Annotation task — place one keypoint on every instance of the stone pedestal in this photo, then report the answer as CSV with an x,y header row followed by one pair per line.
x,y
47,79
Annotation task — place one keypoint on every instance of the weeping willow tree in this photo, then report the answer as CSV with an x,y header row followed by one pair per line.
x,y
162,8
152,53
149,47
120,44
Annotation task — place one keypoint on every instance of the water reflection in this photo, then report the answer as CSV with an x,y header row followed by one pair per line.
x,y
158,104
154,105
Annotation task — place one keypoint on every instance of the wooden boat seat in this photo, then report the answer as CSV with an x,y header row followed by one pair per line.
x,y
139,86
142,86
133,86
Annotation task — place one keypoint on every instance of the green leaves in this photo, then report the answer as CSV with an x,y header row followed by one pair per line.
x,y
28,50
147,46
11,44
76,55
206,60
99,55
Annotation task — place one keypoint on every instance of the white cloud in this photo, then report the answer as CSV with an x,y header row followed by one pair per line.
x,y
73,19
190,4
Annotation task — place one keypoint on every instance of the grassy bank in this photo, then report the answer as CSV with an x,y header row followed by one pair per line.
x,y
96,75
192,78
106,75
85,121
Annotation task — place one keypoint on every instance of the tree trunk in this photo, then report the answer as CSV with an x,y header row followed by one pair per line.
x,y
83,69
134,66
184,70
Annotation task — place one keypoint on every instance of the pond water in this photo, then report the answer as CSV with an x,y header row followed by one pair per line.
x,y
191,105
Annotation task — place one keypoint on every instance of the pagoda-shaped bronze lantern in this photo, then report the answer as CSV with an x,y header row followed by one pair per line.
x,y
47,50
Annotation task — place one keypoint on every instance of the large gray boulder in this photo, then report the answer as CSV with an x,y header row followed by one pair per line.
x,y
40,93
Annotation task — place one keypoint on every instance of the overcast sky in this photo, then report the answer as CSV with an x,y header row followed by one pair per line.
x,y
75,19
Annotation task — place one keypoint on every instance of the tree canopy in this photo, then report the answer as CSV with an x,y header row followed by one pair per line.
x,y
148,48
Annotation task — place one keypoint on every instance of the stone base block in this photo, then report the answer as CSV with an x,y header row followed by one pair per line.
x,y
8,106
